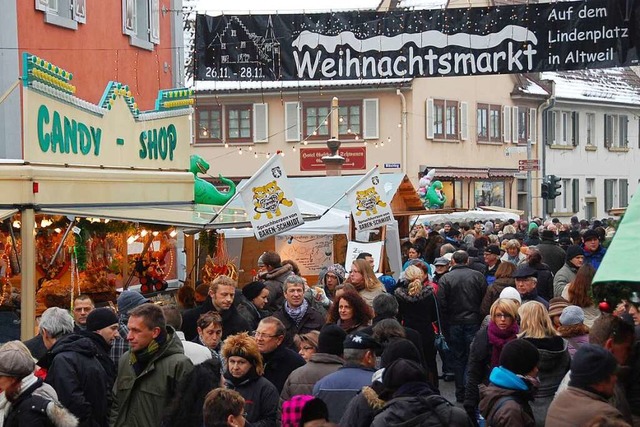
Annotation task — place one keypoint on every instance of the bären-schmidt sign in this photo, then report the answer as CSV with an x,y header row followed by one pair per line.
x,y
359,45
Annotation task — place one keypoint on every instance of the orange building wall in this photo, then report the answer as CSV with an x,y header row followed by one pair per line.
x,y
97,52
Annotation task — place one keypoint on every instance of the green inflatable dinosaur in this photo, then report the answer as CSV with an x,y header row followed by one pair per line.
x,y
205,192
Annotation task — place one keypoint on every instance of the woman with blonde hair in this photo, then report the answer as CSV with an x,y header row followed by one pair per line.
x,y
417,310
365,281
307,344
484,354
512,252
536,327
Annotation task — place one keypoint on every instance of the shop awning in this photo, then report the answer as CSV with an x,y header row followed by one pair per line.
x,y
190,216
7,213
472,173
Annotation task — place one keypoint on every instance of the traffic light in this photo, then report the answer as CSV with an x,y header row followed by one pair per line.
x,y
554,186
544,190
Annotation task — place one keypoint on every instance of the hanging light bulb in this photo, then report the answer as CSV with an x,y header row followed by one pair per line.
x,y
399,125
268,155
17,224
255,155
293,148
341,119
306,142
226,144
381,143
389,139
349,130
240,151
251,148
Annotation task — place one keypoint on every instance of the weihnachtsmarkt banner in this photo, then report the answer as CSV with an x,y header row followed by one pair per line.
x,y
359,45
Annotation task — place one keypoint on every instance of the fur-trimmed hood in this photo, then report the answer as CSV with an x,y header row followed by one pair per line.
x,y
242,345
60,416
372,398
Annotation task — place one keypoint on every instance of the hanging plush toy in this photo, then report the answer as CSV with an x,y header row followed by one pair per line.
x,y
424,183
435,198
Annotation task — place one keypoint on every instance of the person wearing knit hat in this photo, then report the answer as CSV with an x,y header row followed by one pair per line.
x,y
593,251
252,306
408,395
292,410
102,330
243,370
25,400
566,274
592,382
511,293
556,305
573,329
326,360
128,300
334,276
505,401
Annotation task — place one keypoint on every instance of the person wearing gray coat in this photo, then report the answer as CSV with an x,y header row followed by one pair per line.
x,y
564,276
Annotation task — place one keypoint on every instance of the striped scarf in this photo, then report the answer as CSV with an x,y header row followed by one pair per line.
x,y
297,313
140,359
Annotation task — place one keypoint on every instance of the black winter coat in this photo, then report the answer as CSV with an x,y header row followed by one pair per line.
x,y
33,410
460,295
262,401
279,364
76,374
311,321
552,255
545,280
232,321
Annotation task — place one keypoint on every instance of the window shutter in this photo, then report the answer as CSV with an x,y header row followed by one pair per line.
x,y
80,11
608,194
607,131
429,119
575,128
551,127
624,193
42,5
575,195
154,21
292,121
464,121
533,125
260,122
370,119
129,17
510,124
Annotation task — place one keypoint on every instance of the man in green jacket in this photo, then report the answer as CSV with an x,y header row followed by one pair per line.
x,y
149,372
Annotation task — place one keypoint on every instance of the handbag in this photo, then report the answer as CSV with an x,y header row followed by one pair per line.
x,y
439,341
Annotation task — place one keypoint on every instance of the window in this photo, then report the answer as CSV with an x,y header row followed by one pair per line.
x,y
523,125
550,133
317,120
489,122
591,183
238,123
445,119
616,130
566,128
141,22
209,122
575,195
63,13
232,123
591,129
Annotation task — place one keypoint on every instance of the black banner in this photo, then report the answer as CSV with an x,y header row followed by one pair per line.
x,y
417,43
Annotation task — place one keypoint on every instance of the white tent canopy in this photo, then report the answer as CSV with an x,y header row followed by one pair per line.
x,y
335,221
473,215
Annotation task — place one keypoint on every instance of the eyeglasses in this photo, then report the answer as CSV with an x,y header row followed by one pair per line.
x,y
257,334
503,316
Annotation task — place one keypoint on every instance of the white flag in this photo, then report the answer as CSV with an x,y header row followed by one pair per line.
x,y
369,203
269,201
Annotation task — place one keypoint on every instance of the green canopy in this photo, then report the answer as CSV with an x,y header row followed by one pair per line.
x,y
621,263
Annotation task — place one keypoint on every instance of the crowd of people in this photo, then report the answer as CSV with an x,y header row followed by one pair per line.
x,y
507,308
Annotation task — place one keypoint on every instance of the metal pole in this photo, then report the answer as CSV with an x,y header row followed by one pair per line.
x,y
529,183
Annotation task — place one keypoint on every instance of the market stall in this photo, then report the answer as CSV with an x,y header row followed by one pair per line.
x,y
95,202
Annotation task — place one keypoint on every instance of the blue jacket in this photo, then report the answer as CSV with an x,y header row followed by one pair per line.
x,y
337,389
594,258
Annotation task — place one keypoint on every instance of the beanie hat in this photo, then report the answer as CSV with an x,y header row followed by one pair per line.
x,y
492,249
571,315
252,290
591,364
402,371
101,318
128,300
519,356
511,293
242,345
574,251
399,349
15,360
556,305
547,235
292,410
590,234
338,271
330,340
314,409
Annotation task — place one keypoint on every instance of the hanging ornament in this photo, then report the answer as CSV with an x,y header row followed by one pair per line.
x,y
605,307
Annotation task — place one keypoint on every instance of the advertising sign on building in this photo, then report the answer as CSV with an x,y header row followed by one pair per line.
x,y
356,45
355,158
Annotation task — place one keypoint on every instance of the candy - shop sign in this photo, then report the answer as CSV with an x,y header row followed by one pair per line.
x,y
57,132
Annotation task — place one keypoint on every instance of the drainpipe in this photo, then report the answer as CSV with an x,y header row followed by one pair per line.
x,y
542,111
403,132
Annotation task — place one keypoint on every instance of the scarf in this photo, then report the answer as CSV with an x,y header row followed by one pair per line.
x,y
252,374
498,338
296,313
347,325
5,403
140,359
